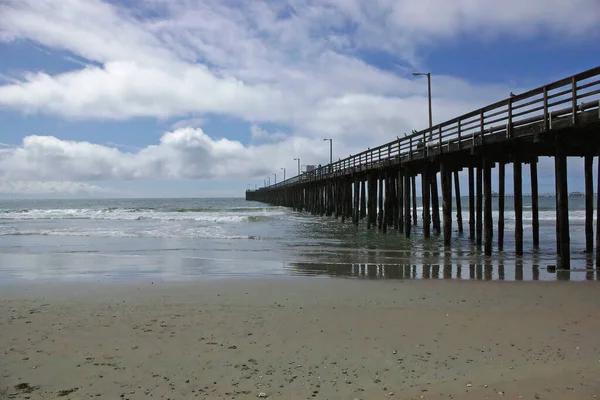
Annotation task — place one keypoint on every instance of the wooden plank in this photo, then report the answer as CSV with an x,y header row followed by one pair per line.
x,y
518,205
535,213
459,220
501,174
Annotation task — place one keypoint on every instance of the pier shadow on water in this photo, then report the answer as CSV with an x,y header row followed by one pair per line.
x,y
472,272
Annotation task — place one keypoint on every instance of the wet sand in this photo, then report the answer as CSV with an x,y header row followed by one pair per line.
x,y
298,338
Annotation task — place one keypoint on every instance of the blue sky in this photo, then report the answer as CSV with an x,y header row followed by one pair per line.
x,y
158,98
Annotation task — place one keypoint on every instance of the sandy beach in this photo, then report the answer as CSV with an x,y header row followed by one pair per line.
x,y
297,338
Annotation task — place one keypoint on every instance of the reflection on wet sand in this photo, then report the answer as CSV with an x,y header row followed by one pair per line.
x,y
478,272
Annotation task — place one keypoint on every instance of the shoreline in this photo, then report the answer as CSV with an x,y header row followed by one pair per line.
x,y
301,338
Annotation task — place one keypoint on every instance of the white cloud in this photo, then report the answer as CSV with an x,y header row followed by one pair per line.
x,y
292,63
185,153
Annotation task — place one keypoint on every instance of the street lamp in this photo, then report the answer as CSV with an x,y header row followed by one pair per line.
x,y
275,175
330,150
283,173
297,159
429,97
268,181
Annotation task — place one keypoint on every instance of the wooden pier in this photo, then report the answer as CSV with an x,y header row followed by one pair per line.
x,y
559,120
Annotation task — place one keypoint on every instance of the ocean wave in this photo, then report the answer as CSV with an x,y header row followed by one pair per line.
x,y
159,234
138,214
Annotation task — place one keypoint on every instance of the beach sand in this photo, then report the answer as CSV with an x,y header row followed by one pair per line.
x,y
296,338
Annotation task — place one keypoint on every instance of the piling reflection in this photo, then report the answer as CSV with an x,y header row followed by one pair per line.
x,y
477,272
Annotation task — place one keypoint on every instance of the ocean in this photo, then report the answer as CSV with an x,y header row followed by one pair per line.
x,y
192,239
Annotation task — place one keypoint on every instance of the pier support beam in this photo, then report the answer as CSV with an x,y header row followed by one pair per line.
x,y
563,209
501,185
589,204
435,202
535,209
380,199
356,209
479,219
407,223
518,193
598,219
363,200
372,201
414,199
487,217
459,220
400,188
471,204
425,192
446,179
394,199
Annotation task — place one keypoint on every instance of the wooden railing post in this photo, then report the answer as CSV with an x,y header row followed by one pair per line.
x,y
546,117
459,135
574,99
440,138
509,124
410,148
481,125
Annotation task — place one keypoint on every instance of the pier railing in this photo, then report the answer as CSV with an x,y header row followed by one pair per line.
x,y
540,108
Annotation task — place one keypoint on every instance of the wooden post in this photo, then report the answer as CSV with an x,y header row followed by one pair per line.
x,y
563,209
445,177
501,167
535,213
459,220
363,200
425,191
414,199
372,204
435,202
356,210
471,204
518,192
589,204
344,203
394,199
407,223
400,189
380,198
479,221
556,203
386,202
487,217
598,221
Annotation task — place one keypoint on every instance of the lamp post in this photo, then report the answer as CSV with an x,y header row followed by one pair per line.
x,y
297,159
283,173
275,175
428,96
330,150
268,181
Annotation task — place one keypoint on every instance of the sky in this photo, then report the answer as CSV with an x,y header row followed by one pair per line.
x,y
205,98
